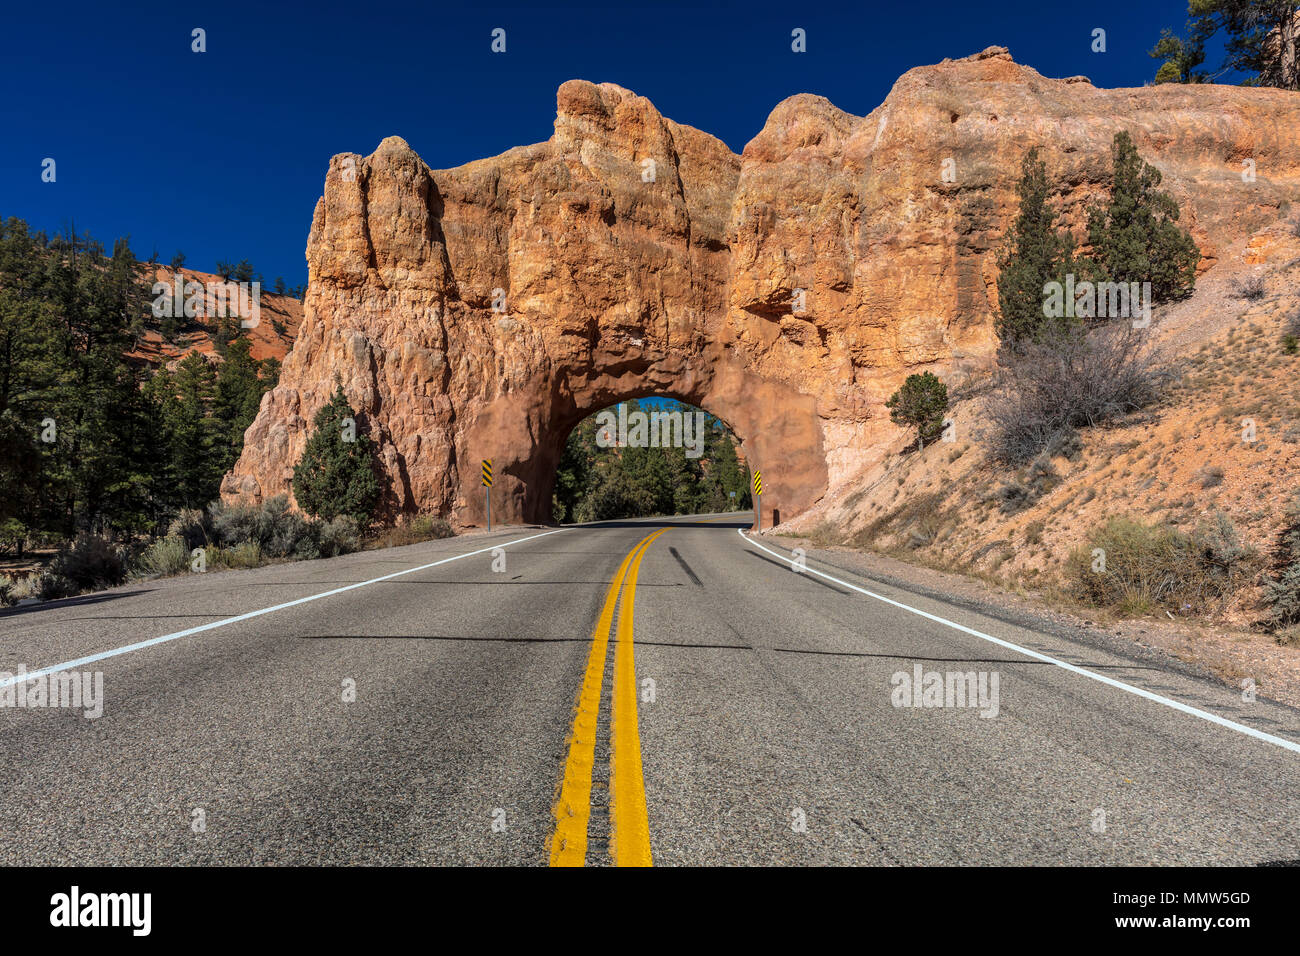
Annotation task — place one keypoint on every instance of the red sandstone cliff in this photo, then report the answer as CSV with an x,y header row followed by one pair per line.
x,y
615,284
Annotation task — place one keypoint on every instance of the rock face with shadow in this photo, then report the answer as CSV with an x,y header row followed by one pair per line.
x,y
481,312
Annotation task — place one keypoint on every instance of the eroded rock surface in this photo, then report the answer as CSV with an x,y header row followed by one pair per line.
x,y
614,278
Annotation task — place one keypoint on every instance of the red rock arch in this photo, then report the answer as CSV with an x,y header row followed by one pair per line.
x,y
524,432
481,311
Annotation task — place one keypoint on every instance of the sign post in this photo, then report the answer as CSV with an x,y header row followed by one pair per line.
x,y
487,489
758,498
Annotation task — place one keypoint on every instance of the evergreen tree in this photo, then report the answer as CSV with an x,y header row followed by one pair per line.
x,y
27,340
573,476
1262,38
1135,237
241,383
920,404
1035,254
224,331
601,483
88,479
198,458
80,443
335,475
725,468
1282,587
269,373
1179,58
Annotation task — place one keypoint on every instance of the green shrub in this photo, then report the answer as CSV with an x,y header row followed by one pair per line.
x,y
618,495
50,587
13,535
277,531
1209,476
6,591
1287,636
166,556
1013,495
414,530
192,525
430,527
339,536
1017,494
1155,565
291,535
91,563
234,523
925,530
247,554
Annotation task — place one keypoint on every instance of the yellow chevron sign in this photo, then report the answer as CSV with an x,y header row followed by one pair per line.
x,y
758,482
487,472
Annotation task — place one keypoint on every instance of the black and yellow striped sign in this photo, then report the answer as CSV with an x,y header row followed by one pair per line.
x,y
758,482
487,472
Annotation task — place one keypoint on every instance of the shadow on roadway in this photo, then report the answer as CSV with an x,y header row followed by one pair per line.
x,y
82,601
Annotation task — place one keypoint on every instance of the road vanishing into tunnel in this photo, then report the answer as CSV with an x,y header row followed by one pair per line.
x,y
666,691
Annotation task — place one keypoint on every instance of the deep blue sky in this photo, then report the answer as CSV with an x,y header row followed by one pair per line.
x,y
222,154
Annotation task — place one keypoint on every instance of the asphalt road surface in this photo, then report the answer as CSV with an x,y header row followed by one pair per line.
x,y
608,694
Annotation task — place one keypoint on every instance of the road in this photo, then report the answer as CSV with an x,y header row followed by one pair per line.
x,y
418,705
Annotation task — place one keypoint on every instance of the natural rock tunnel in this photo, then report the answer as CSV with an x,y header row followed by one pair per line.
x,y
481,312
525,436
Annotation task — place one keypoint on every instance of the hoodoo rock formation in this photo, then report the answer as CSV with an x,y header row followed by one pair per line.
x,y
481,312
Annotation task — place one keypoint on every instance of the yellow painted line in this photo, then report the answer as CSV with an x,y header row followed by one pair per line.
x,y
629,823
573,808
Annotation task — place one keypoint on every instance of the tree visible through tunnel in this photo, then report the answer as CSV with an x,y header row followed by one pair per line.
x,y
646,458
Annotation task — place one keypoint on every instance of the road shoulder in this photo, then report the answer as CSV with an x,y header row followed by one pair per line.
x,y
1200,651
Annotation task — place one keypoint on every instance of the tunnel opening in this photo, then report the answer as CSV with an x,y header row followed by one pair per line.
x,y
525,430
648,456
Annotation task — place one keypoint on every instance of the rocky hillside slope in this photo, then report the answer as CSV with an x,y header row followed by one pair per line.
x,y
267,340
1181,463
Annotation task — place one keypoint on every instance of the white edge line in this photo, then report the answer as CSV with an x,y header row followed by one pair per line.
x,y
1072,668
140,645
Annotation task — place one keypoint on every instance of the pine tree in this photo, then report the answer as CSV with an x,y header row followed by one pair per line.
x,y
1262,37
241,383
26,340
335,475
1035,255
920,404
1179,58
89,482
1135,237
196,439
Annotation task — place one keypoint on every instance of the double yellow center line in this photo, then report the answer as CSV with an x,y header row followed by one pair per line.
x,y
629,825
